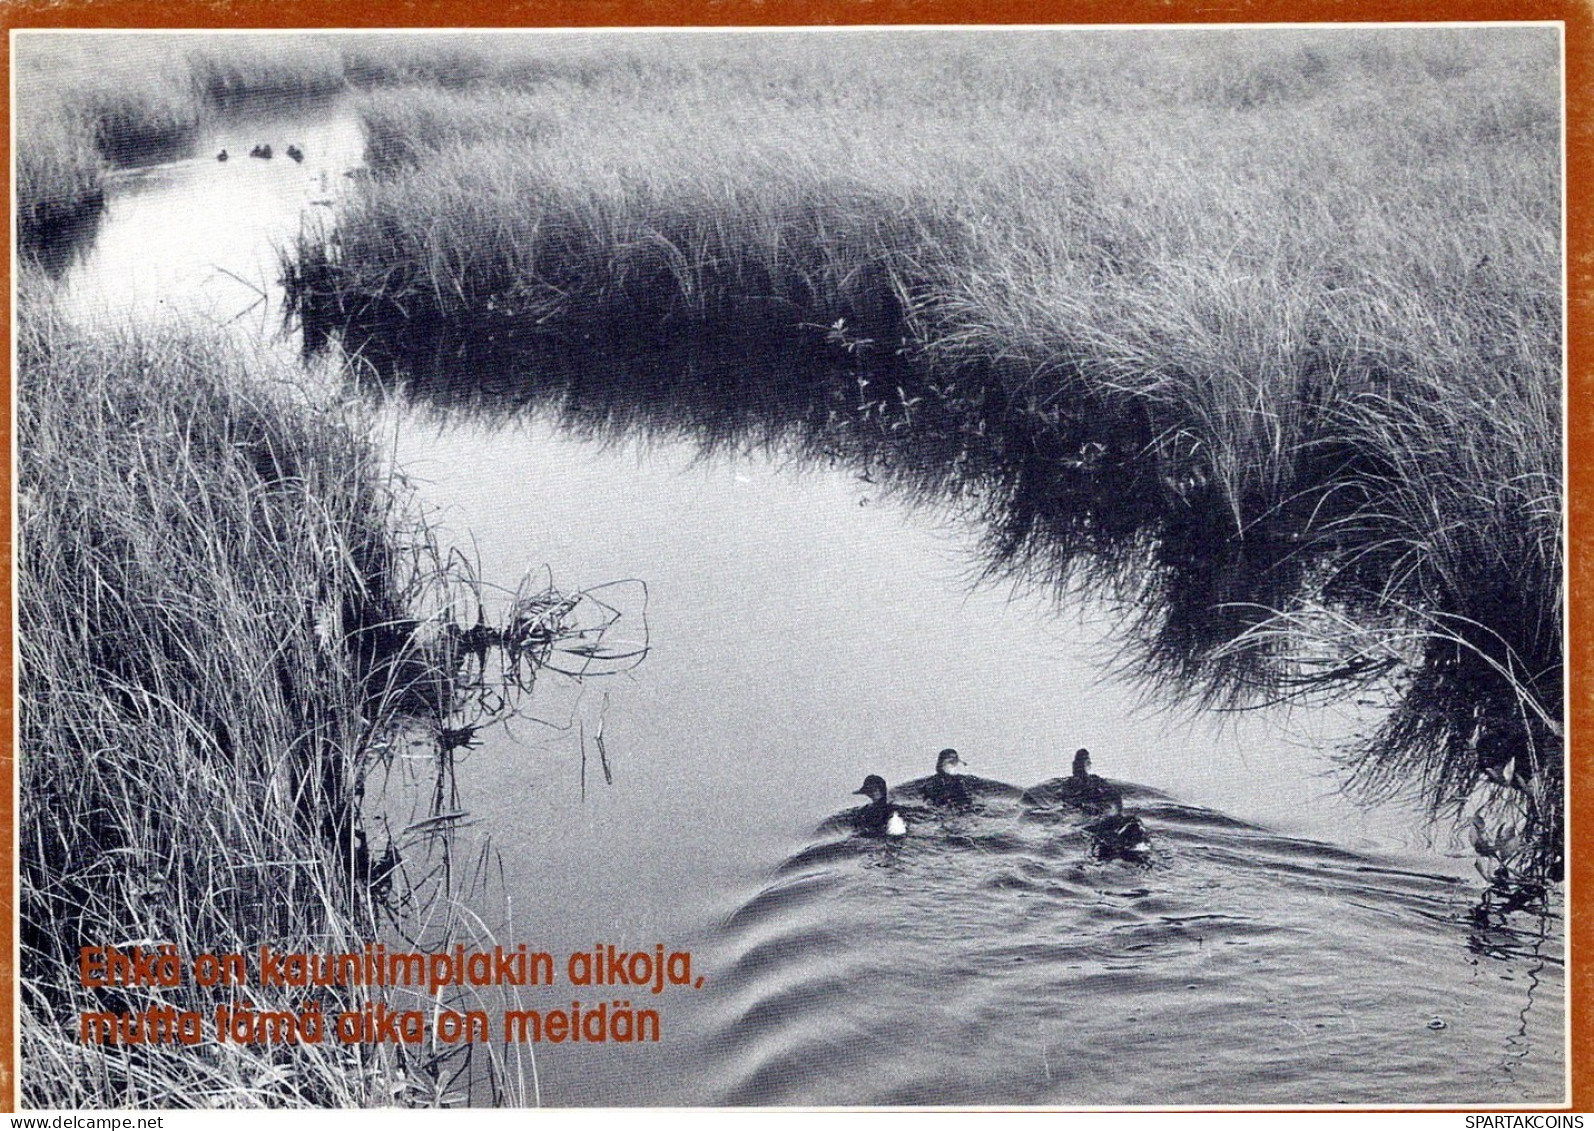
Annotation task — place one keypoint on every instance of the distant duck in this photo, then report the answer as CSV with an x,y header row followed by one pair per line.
x,y
222,156
261,151
879,817
296,153
1082,789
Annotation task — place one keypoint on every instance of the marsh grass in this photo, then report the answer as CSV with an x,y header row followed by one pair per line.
x,y
232,621
1256,333
87,104
215,585
82,105
283,70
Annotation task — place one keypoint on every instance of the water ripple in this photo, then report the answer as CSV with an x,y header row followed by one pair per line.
x,y
990,957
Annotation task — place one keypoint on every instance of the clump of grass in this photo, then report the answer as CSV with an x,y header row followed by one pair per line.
x,y
131,95
60,186
207,566
1258,333
230,70
83,105
1464,515
737,237
403,125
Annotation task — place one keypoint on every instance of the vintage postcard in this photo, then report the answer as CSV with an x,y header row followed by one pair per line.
x,y
960,565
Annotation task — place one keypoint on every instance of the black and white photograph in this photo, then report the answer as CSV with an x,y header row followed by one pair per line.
x,y
959,567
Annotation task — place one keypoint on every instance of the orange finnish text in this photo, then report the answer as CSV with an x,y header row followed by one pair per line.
x,y
242,1022
375,965
376,1023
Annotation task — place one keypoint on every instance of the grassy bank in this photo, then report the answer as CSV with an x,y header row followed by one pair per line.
x,y
1257,332
89,103
211,574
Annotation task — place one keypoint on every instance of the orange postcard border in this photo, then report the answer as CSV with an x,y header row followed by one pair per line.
x,y
1578,22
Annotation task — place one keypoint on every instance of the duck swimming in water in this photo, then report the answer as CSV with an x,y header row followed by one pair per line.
x,y
879,817
947,789
1082,789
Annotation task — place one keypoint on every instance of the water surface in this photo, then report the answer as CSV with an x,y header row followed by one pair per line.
x,y
805,631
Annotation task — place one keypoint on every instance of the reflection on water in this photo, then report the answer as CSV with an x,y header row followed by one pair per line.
x,y
1094,496
800,640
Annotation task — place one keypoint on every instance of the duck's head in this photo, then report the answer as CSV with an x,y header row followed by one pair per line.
x,y
1081,762
874,788
946,760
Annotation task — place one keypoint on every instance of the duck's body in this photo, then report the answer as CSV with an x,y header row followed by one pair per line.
x,y
1081,790
948,791
879,817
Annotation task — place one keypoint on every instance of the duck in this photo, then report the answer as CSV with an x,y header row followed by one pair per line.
x,y
222,156
261,151
1082,789
1119,836
879,817
946,789
296,153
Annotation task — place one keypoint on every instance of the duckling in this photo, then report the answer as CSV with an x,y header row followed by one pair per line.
x,y
1082,789
879,817
946,788
1119,837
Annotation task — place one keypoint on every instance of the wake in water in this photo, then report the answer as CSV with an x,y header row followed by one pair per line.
x,y
995,954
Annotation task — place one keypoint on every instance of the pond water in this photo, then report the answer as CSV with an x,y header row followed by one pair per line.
x,y
199,238
805,629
